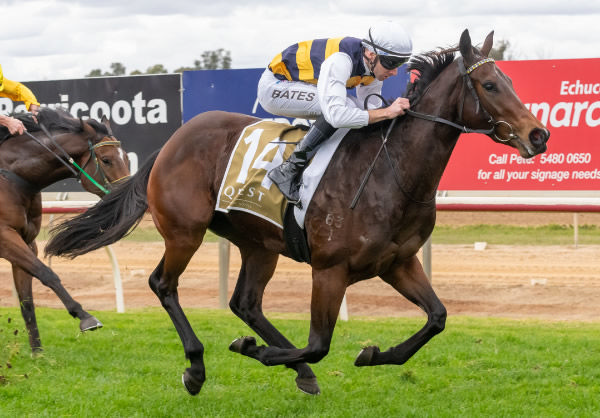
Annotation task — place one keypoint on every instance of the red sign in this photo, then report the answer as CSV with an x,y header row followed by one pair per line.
x,y
565,96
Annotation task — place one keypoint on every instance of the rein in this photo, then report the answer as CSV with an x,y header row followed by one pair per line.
x,y
384,140
464,72
69,162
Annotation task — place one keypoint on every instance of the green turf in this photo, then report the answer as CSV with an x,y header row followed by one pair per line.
x,y
516,235
552,234
477,367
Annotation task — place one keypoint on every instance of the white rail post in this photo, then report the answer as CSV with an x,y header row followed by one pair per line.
x,y
427,257
576,228
223,272
344,309
14,293
117,279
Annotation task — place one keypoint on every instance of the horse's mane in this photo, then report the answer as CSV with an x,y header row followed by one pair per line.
x,y
53,119
428,66
57,119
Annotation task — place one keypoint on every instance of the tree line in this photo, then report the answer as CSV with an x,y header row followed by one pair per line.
x,y
221,59
209,60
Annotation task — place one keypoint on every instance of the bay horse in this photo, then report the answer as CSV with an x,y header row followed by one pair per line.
x,y
380,236
31,162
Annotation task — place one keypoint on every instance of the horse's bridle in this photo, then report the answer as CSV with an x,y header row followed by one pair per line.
x,y
464,72
69,162
106,141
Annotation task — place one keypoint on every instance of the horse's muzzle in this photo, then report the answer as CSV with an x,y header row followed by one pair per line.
x,y
538,138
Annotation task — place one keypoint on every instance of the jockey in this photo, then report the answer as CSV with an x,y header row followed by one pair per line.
x,y
312,80
19,93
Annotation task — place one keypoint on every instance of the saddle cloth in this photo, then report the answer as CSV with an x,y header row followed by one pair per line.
x,y
247,188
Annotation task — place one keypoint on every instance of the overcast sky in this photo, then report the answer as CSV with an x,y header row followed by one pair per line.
x,y
60,39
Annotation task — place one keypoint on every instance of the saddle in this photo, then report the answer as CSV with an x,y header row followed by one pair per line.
x,y
262,146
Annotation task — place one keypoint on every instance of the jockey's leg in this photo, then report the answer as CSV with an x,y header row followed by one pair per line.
x,y
286,177
291,99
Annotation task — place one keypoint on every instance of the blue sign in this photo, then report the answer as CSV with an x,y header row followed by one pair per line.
x,y
235,91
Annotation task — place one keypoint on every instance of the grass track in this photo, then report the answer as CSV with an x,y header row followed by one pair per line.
x,y
551,234
132,367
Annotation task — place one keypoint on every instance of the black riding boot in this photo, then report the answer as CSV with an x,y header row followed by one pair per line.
x,y
286,177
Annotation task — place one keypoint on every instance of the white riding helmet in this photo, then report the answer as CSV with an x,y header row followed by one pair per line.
x,y
388,38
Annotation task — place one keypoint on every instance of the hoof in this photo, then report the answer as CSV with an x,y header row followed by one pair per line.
x,y
192,385
308,385
240,344
89,324
365,357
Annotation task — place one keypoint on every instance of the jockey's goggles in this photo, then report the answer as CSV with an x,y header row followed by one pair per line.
x,y
390,62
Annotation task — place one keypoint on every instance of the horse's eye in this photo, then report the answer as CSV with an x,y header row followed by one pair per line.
x,y
489,86
105,161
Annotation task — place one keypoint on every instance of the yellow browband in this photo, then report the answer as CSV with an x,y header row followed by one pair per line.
x,y
103,143
109,142
479,63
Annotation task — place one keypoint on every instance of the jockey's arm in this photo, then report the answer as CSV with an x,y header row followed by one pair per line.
x,y
397,108
341,112
20,93
14,125
338,110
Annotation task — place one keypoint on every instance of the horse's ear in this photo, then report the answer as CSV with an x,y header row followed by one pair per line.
x,y
106,123
465,47
487,44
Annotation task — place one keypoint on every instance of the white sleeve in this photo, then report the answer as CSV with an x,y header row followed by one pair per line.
x,y
363,91
331,91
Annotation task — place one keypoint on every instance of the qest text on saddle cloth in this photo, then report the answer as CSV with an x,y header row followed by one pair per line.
x,y
245,186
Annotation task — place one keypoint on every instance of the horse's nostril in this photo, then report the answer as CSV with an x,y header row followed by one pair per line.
x,y
539,136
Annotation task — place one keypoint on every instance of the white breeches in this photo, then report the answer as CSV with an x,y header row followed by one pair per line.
x,y
293,99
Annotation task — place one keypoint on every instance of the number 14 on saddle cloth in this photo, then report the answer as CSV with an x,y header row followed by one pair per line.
x,y
259,149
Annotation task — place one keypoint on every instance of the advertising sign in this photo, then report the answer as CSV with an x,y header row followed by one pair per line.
x,y
565,96
144,111
235,91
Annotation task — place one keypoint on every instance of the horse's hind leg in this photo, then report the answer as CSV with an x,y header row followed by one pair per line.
x,y
327,294
411,281
14,249
163,282
258,267
23,285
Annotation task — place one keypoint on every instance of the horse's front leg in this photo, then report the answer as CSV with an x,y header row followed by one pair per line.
x,y
19,254
328,291
411,281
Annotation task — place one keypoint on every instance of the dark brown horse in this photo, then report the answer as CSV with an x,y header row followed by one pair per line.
x,y
29,163
379,237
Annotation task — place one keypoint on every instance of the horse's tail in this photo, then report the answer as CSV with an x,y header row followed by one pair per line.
x,y
111,219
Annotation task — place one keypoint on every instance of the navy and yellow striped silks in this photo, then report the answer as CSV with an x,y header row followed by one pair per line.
x,y
302,61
